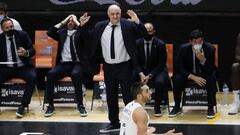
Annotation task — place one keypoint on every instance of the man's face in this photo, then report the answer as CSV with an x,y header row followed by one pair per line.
x,y
70,24
146,94
114,14
8,25
150,29
196,41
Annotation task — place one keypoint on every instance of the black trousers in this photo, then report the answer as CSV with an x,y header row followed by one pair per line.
x,y
115,74
179,83
26,73
74,70
158,82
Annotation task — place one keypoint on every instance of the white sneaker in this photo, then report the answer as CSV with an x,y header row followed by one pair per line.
x,y
234,109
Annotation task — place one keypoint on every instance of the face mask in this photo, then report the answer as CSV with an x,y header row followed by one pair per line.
x,y
148,37
9,33
197,46
1,17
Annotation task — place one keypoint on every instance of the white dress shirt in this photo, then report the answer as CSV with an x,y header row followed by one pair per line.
x,y
66,52
121,54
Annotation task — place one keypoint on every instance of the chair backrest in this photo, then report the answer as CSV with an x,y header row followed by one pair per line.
x,y
169,49
46,49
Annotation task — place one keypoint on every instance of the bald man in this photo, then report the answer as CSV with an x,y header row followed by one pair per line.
x,y
152,68
114,45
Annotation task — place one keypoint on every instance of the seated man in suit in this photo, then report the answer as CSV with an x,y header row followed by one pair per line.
x,y
152,57
236,80
195,62
69,62
16,51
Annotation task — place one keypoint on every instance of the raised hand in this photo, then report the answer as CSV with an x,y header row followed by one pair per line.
x,y
84,19
64,22
74,18
133,16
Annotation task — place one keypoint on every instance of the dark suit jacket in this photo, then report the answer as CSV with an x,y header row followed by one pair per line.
x,y
157,60
22,40
130,32
185,60
60,35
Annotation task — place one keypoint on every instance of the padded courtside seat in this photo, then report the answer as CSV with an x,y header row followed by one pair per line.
x,y
194,95
12,92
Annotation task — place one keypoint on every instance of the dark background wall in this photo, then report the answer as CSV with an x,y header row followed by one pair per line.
x,y
218,19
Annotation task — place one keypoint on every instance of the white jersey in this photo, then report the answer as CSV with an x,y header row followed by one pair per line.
x,y
128,126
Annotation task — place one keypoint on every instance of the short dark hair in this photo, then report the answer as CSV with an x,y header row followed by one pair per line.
x,y
3,7
196,34
136,89
4,20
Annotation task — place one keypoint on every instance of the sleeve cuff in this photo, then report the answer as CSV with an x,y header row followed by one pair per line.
x,y
137,22
27,54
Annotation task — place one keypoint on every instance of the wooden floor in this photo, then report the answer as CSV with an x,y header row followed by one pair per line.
x,y
69,113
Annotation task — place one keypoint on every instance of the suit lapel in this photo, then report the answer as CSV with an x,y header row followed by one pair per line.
x,y
101,29
124,30
3,47
63,38
143,49
17,40
190,55
153,50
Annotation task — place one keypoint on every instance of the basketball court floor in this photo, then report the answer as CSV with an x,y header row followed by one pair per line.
x,y
67,121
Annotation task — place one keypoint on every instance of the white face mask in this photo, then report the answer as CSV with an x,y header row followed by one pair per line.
x,y
197,47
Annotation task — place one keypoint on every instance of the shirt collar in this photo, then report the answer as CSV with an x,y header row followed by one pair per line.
x,y
110,24
150,42
7,37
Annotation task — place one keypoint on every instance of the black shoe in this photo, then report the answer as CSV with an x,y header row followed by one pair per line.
x,y
175,111
110,128
50,111
20,111
83,112
210,113
157,112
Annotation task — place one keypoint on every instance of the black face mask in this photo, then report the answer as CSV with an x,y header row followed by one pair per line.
x,y
149,37
10,33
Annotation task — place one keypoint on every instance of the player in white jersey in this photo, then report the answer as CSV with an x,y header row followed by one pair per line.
x,y
134,117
